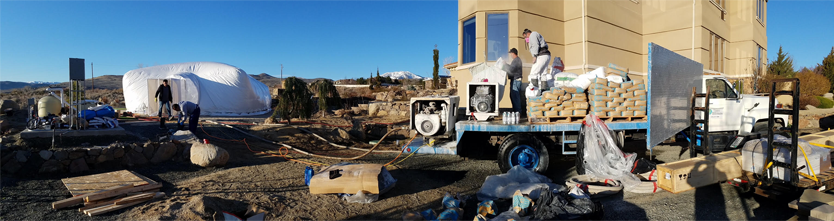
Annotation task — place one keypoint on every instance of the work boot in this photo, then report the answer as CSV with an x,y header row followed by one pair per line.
x,y
162,123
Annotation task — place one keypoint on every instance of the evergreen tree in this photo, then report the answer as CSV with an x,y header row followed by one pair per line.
x,y
782,66
435,77
295,100
327,93
827,67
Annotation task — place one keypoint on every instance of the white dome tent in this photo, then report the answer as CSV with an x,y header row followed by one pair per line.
x,y
219,89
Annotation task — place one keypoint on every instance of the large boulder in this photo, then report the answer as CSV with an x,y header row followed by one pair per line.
x,y
134,158
51,166
148,150
78,165
22,156
208,155
4,104
45,154
164,152
11,167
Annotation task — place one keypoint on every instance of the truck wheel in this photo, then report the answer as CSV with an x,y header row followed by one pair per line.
x,y
761,127
523,150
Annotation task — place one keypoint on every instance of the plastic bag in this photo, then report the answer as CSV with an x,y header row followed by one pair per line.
x,y
361,197
532,91
503,186
602,157
507,215
500,64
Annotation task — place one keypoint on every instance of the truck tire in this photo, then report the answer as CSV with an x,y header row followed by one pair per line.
x,y
761,127
525,150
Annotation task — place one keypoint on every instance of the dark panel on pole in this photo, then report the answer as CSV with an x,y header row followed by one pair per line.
x,y
76,67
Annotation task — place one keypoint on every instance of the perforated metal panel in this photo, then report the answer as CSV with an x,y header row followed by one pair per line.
x,y
671,79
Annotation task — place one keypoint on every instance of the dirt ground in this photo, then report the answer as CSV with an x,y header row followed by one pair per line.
x,y
275,185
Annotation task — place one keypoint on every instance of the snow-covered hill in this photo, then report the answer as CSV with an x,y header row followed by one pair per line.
x,y
401,75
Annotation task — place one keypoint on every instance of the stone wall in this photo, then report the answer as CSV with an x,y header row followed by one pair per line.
x,y
76,160
381,109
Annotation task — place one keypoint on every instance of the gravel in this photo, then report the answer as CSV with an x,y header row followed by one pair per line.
x,y
277,185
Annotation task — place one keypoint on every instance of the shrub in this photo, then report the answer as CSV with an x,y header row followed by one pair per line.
x,y
764,84
806,100
812,84
825,102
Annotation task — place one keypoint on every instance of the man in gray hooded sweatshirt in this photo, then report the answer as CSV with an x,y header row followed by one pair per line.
x,y
541,56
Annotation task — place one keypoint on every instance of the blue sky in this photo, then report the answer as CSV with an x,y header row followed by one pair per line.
x,y
332,39
804,29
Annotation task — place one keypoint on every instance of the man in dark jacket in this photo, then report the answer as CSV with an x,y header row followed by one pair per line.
x,y
164,97
514,74
188,111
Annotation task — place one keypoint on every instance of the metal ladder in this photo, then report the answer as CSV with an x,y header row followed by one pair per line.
x,y
693,128
793,131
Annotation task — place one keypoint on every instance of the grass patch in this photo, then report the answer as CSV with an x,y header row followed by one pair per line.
x,y
825,102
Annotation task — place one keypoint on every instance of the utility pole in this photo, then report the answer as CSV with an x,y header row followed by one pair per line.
x,y
282,71
93,73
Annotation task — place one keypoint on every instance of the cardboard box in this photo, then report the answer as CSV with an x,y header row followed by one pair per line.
x,y
353,178
727,165
680,176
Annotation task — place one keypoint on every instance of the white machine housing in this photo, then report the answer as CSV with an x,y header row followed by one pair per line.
x,y
435,115
483,100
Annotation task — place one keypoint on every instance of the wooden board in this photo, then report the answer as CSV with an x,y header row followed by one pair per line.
x,y
825,178
92,183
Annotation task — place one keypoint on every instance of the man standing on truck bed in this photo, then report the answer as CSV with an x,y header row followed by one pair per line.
x,y
514,74
541,56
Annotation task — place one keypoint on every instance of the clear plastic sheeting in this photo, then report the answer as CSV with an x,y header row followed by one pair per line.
x,y
485,73
219,89
503,186
671,79
602,157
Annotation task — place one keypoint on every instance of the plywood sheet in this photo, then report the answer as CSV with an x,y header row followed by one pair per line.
x,y
91,183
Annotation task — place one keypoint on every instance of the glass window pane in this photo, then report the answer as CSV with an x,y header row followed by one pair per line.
x,y
730,92
469,40
498,30
717,88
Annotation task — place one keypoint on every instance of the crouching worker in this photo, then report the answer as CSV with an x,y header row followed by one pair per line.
x,y
187,111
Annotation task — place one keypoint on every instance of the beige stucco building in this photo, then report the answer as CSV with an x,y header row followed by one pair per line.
x,y
728,37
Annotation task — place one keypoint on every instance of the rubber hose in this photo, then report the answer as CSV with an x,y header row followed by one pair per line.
x,y
596,188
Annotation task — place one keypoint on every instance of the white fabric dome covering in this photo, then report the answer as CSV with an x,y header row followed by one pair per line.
x,y
219,89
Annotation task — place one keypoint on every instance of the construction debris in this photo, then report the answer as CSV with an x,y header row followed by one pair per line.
x,y
106,192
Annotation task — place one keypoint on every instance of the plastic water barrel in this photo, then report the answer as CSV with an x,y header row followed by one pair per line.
x,y
86,114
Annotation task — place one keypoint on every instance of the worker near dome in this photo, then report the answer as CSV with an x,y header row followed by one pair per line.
x,y
188,111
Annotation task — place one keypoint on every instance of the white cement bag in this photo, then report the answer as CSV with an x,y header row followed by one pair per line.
x,y
599,72
583,81
500,64
563,79
615,78
532,91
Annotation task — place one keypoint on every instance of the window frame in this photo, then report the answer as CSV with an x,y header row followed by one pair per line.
x,y
760,11
474,38
717,50
729,92
487,33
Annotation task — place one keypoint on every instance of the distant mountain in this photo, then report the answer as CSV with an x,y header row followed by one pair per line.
x,y
100,82
11,85
44,82
401,75
270,81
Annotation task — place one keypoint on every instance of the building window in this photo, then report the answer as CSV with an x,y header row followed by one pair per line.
x,y
716,53
760,11
498,30
469,40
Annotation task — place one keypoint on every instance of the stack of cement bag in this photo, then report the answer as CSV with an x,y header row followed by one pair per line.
x,y
559,102
614,99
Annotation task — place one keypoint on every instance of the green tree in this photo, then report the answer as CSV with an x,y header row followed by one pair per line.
x,y
361,81
827,67
435,77
782,66
296,100
327,93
